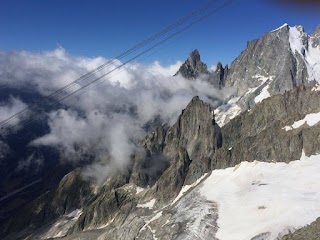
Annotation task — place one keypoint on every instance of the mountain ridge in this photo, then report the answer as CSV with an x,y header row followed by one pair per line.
x,y
147,199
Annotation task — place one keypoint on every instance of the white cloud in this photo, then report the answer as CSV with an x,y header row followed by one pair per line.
x,y
213,68
109,118
33,161
7,109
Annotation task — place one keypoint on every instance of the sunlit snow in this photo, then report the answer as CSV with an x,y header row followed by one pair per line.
x,y
270,198
149,204
263,95
310,119
284,25
310,54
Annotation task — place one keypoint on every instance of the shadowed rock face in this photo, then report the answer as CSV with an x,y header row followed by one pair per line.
x,y
217,78
181,153
193,67
195,131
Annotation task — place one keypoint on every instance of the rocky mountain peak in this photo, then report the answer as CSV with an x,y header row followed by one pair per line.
x,y
219,67
193,67
316,32
283,27
194,58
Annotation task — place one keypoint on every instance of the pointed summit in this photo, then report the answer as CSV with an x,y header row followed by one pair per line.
x,y
286,26
193,66
316,32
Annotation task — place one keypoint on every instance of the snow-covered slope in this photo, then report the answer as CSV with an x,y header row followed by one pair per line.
x,y
308,48
279,61
261,199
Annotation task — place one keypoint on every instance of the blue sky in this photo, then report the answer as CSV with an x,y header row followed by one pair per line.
x,y
107,28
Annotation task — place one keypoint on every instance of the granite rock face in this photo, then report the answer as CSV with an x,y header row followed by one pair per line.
x,y
217,78
193,67
259,134
193,138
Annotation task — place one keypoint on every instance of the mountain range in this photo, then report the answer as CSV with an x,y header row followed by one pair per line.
x,y
245,168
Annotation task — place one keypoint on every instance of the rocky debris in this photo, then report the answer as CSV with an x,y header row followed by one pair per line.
x,y
193,67
310,232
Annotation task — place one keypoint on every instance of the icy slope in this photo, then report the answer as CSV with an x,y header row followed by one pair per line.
x,y
265,199
308,47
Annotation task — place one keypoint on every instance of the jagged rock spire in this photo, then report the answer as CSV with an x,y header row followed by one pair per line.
x,y
193,66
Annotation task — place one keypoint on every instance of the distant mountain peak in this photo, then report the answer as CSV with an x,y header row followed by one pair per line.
x,y
286,25
316,32
193,67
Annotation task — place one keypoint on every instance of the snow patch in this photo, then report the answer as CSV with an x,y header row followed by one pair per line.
x,y
139,190
284,25
263,95
258,197
226,112
187,187
149,204
155,217
75,214
263,79
302,45
311,120
316,88
295,39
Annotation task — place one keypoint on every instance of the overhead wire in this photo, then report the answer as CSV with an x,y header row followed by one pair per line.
x,y
119,57
125,63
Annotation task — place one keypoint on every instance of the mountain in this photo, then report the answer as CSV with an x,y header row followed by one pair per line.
x,y
193,67
246,169
277,62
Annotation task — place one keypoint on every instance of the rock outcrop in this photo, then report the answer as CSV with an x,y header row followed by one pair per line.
x,y
217,78
316,32
195,131
259,134
193,67
310,232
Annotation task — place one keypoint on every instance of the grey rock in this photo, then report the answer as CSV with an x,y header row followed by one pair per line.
x,y
268,56
193,67
195,131
72,193
310,232
258,134
316,32
171,181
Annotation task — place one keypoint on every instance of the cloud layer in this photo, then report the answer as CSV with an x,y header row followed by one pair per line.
x,y
109,118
